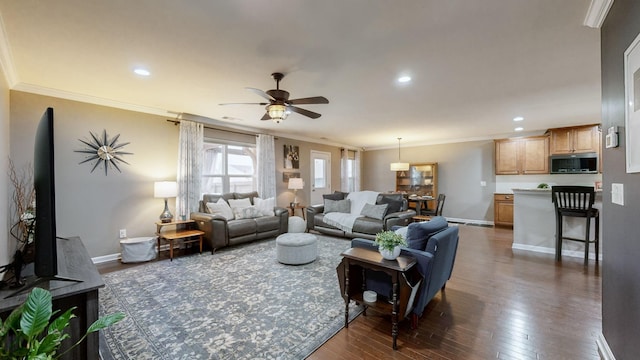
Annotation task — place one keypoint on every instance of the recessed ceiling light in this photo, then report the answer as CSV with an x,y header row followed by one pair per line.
x,y
404,79
518,129
518,118
142,72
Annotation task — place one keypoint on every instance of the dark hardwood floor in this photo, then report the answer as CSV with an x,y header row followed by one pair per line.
x,y
499,304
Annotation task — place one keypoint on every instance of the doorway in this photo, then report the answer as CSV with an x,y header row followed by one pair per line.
x,y
320,176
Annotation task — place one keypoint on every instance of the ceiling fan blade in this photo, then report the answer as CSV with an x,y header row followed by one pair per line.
x,y
266,117
311,114
309,100
261,93
245,104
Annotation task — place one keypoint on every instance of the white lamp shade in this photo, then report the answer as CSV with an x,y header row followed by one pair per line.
x,y
296,183
165,189
399,166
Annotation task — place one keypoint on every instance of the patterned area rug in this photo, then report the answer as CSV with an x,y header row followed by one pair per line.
x,y
239,303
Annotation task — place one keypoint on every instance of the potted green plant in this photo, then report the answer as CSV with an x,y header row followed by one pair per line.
x,y
29,333
389,244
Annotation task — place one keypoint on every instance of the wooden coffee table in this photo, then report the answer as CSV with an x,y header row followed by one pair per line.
x,y
183,231
351,276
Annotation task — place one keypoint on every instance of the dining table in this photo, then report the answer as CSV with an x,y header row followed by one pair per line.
x,y
421,202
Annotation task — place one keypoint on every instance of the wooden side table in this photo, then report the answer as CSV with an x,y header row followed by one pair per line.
x,y
351,276
184,230
419,218
292,210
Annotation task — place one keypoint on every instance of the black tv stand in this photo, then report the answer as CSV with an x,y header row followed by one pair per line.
x,y
34,281
74,264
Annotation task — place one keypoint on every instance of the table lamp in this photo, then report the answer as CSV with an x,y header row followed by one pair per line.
x,y
295,184
165,189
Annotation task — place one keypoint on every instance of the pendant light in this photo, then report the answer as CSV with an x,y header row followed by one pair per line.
x,y
399,166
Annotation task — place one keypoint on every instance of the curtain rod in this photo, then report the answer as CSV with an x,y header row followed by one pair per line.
x,y
176,122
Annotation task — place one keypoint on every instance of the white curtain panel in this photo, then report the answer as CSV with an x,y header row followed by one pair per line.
x,y
344,176
356,172
189,167
266,154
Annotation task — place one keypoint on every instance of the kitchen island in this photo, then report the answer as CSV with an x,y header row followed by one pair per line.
x,y
534,224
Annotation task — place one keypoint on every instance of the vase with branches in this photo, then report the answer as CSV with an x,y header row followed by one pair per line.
x,y
22,218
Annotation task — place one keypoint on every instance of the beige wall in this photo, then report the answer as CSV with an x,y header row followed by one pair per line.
x,y
461,168
6,246
285,196
94,206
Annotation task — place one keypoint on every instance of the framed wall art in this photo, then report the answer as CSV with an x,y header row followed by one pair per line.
x,y
632,105
291,157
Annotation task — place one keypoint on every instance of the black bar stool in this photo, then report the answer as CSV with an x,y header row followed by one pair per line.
x,y
576,201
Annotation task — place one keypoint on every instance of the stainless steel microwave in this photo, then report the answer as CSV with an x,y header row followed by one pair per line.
x,y
586,163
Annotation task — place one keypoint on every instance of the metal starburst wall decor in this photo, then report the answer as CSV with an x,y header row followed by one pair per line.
x,y
104,151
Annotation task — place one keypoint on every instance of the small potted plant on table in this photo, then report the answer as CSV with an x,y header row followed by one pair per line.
x,y
389,244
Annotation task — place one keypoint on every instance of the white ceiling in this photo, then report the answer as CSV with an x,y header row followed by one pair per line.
x,y
475,64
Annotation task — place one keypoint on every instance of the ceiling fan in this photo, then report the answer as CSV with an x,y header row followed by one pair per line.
x,y
279,105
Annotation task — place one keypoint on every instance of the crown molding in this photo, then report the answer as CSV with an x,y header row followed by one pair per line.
x,y
35,89
603,348
597,12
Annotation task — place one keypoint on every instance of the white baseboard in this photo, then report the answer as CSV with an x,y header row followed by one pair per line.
x,y
470,221
547,250
106,258
118,256
603,348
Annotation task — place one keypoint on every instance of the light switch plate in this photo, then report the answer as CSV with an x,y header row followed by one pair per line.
x,y
617,194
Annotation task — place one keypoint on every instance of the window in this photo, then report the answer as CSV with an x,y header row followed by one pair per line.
x,y
228,168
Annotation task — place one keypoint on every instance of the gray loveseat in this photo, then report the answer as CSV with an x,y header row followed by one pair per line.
x,y
219,231
364,227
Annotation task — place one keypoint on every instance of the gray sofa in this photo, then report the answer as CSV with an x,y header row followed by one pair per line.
x,y
364,227
220,232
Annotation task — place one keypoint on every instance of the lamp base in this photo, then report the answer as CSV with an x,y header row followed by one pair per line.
x,y
166,216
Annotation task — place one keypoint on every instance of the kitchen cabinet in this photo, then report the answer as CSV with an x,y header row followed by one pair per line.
x,y
522,156
577,139
503,210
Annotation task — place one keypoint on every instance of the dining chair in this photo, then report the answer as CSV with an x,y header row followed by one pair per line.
x,y
437,211
576,201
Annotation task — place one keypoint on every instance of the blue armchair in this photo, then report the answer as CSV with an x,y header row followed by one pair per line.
x,y
434,245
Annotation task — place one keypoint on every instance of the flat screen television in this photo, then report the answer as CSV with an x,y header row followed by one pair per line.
x,y
45,239
46,257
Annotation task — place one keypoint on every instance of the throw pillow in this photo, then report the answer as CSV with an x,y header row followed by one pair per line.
x,y
250,212
239,203
394,205
402,232
265,205
335,196
418,233
342,206
374,211
221,208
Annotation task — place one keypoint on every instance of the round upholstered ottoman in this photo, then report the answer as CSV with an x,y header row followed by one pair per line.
x,y
296,248
297,224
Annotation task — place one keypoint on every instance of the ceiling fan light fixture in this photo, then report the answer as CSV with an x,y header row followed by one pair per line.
x,y
277,112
